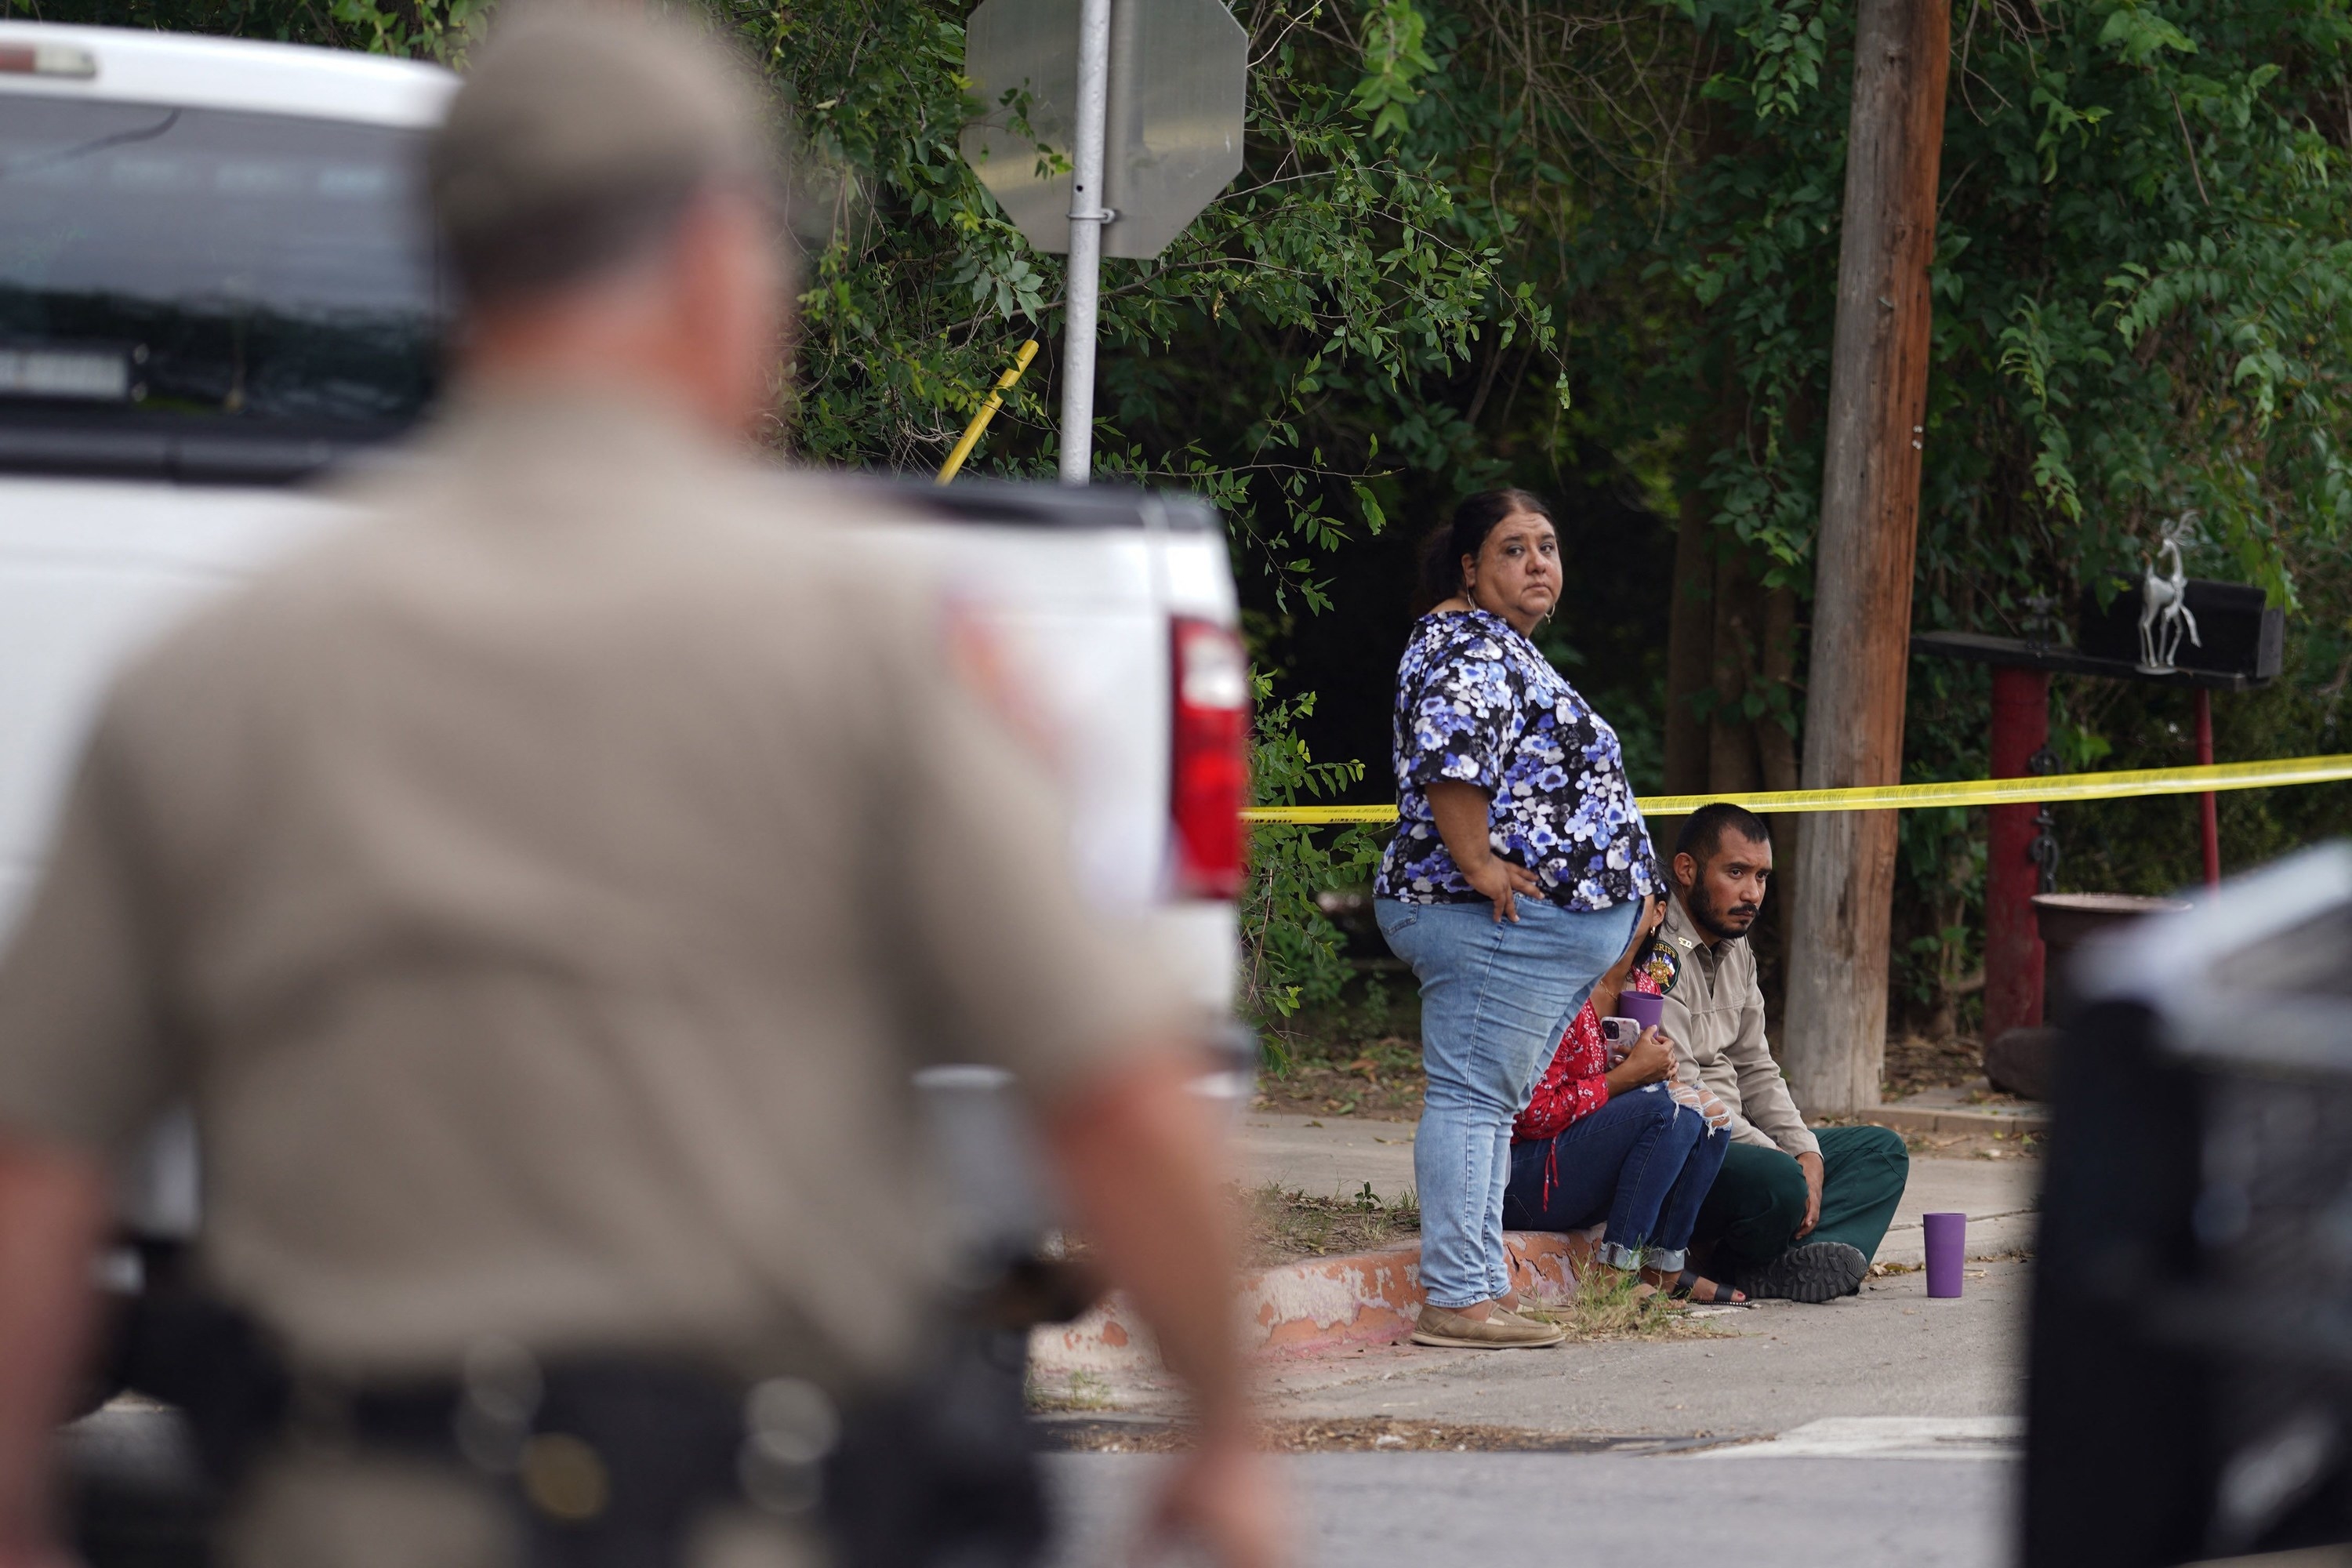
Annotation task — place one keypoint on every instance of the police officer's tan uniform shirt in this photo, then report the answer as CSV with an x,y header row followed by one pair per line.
x,y
1714,1012
545,890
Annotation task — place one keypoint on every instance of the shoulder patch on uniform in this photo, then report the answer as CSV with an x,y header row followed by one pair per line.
x,y
1661,964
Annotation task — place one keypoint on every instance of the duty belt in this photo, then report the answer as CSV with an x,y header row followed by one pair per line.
x,y
609,1462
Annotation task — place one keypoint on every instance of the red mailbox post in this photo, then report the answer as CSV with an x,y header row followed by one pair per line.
x,y
2020,727
2240,649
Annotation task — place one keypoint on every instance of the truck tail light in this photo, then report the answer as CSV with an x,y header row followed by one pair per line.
x,y
1208,778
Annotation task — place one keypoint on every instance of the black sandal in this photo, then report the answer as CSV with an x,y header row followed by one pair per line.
x,y
1725,1295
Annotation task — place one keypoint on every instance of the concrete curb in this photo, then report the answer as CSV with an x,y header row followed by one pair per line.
x,y
1909,1119
1324,1304
1316,1305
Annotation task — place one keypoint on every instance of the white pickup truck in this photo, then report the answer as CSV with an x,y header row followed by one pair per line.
x,y
214,285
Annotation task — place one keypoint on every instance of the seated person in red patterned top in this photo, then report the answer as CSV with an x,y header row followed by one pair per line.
x,y
1625,1143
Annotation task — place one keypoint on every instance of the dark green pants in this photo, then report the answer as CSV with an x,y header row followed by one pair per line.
x,y
1752,1212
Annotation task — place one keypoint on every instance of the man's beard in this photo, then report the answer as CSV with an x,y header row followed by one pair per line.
x,y
1711,920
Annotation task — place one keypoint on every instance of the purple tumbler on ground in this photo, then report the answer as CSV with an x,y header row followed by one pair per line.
x,y
1642,1009
1948,1244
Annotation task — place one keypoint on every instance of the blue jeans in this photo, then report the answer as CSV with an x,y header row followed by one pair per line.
x,y
1641,1161
1495,997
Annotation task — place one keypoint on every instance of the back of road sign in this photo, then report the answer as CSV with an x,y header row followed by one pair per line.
x,y
1177,72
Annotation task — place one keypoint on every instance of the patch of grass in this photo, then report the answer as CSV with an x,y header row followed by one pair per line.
x,y
1284,1226
1081,1391
1607,1307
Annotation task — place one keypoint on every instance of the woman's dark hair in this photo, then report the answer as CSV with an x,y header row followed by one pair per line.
x,y
1474,520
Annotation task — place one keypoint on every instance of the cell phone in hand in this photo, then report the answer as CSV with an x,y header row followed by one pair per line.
x,y
1620,1033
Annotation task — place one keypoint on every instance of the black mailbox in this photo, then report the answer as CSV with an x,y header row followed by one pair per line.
x,y
2237,633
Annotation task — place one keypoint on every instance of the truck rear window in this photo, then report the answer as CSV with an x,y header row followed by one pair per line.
x,y
183,269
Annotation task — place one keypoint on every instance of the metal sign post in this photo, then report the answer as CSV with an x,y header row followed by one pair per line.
x,y
1107,126
1083,300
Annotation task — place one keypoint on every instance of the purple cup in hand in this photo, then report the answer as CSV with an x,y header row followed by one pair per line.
x,y
1947,1246
1641,1008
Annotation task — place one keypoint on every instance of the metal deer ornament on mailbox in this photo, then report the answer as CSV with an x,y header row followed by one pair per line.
x,y
2164,604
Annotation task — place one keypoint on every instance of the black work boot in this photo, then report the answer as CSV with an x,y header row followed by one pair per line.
x,y
1811,1271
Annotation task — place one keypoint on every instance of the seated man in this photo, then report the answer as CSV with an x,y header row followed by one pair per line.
x,y
1795,1213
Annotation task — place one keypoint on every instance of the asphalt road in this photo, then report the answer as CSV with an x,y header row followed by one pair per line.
x,y
1454,1510
1882,1429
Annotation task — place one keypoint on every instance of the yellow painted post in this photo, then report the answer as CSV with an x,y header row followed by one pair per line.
x,y
1004,383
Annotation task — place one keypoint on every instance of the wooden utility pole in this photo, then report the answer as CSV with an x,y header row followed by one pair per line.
x,y
1833,1041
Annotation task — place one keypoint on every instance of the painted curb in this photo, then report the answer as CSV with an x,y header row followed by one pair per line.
x,y
1318,1305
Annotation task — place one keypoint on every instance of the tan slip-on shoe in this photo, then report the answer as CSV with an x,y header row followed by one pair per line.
x,y
1498,1331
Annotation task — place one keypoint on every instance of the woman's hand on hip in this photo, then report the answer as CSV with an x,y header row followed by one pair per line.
x,y
1462,812
1502,882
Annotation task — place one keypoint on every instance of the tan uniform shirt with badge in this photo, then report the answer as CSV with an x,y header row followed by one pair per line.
x,y
1715,1014
544,890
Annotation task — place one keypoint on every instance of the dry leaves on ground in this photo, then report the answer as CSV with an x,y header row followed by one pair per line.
x,y
1914,1062
1378,1079
1354,1435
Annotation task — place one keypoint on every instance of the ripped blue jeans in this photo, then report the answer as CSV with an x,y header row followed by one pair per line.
x,y
1641,1163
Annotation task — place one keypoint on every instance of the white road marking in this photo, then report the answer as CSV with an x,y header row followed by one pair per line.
x,y
1888,1437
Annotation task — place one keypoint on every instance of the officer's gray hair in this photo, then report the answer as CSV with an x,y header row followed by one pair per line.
x,y
580,139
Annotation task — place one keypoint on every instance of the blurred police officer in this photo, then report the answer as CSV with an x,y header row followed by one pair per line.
x,y
541,888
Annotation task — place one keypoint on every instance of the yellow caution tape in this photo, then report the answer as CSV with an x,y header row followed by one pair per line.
x,y
2116,785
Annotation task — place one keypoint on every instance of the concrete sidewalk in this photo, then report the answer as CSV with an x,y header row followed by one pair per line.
x,y
1889,1351
2000,1197
1829,1377
1327,1156
1339,1156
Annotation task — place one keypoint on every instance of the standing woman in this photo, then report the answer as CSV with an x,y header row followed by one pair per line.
x,y
1519,867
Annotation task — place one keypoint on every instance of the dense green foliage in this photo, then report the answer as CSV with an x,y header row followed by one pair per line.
x,y
1268,358
1297,958
1590,250
2141,266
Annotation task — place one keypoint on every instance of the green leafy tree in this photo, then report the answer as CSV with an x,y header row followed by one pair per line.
x,y
1293,956
1593,249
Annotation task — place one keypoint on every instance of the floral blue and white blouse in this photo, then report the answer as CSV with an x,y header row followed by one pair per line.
x,y
1476,702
